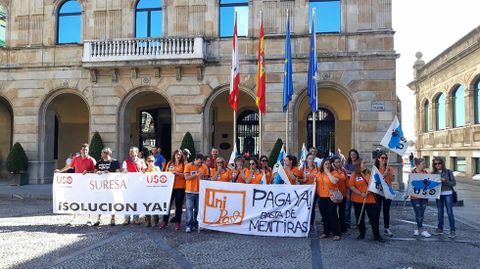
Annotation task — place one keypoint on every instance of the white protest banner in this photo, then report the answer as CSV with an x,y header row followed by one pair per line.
x,y
394,139
266,210
112,193
379,186
424,186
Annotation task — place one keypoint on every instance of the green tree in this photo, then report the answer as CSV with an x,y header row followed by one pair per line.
x,y
275,151
187,143
96,146
17,161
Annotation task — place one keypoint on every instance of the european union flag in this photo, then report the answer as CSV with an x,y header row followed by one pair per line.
x,y
312,70
287,80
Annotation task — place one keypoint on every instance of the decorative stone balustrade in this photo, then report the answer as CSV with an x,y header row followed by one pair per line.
x,y
143,49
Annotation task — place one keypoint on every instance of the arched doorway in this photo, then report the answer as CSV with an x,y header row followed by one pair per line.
x,y
325,131
219,124
6,131
67,127
334,125
145,122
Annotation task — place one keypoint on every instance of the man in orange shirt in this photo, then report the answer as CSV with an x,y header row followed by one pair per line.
x,y
194,172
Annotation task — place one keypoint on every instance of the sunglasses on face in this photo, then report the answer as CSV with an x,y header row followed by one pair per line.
x,y
383,158
437,163
252,163
150,161
264,161
219,162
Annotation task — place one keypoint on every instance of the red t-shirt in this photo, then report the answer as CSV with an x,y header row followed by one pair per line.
x,y
83,164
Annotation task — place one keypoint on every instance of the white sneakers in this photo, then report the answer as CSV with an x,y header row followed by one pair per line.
x,y
388,232
423,233
188,230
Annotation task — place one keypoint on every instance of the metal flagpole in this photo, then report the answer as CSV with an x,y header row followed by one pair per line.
x,y
286,131
234,129
314,113
260,136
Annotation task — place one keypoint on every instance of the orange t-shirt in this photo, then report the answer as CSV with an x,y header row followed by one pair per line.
x,y
324,185
361,184
223,177
179,182
154,169
236,177
294,172
268,175
257,176
309,174
342,180
390,175
192,185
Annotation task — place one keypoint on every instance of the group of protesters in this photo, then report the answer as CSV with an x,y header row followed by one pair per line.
x,y
341,183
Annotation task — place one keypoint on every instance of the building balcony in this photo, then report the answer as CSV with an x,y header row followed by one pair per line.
x,y
143,51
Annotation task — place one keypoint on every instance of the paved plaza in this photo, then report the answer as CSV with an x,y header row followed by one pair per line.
x,y
32,237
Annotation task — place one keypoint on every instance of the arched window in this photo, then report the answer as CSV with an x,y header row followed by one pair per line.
x,y
227,15
247,132
69,22
476,105
148,18
440,112
3,26
426,116
458,111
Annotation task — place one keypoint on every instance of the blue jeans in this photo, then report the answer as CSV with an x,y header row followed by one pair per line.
x,y
192,210
419,206
348,209
135,217
447,201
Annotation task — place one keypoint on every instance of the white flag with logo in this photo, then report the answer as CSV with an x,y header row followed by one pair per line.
x,y
379,186
394,139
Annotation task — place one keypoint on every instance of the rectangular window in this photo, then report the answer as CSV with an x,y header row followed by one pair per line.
x,y
459,164
476,163
427,161
227,17
141,24
327,15
69,29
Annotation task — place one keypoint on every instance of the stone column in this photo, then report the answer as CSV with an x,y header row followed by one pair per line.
x,y
469,105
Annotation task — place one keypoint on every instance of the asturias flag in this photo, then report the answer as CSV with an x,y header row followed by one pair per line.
x,y
235,72
287,80
312,69
261,76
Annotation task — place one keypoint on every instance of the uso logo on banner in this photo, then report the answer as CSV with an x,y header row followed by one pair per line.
x,y
63,181
156,180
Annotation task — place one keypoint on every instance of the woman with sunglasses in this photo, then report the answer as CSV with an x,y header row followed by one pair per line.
x,y
177,167
220,172
151,167
326,183
446,196
364,201
265,169
238,172
419,204
253,174
339,172
291,169
388,172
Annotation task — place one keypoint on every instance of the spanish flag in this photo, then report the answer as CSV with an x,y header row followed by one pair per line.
x,y
261,76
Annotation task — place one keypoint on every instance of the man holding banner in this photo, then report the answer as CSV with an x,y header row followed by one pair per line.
x,y
133,165
194,172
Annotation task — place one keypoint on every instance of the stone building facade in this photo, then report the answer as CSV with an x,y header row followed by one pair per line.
x,y
141,92
447,91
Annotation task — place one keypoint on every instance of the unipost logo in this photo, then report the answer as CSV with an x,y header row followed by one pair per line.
x,y
223,207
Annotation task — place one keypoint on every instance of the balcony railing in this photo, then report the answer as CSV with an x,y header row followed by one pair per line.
x,y
143,49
